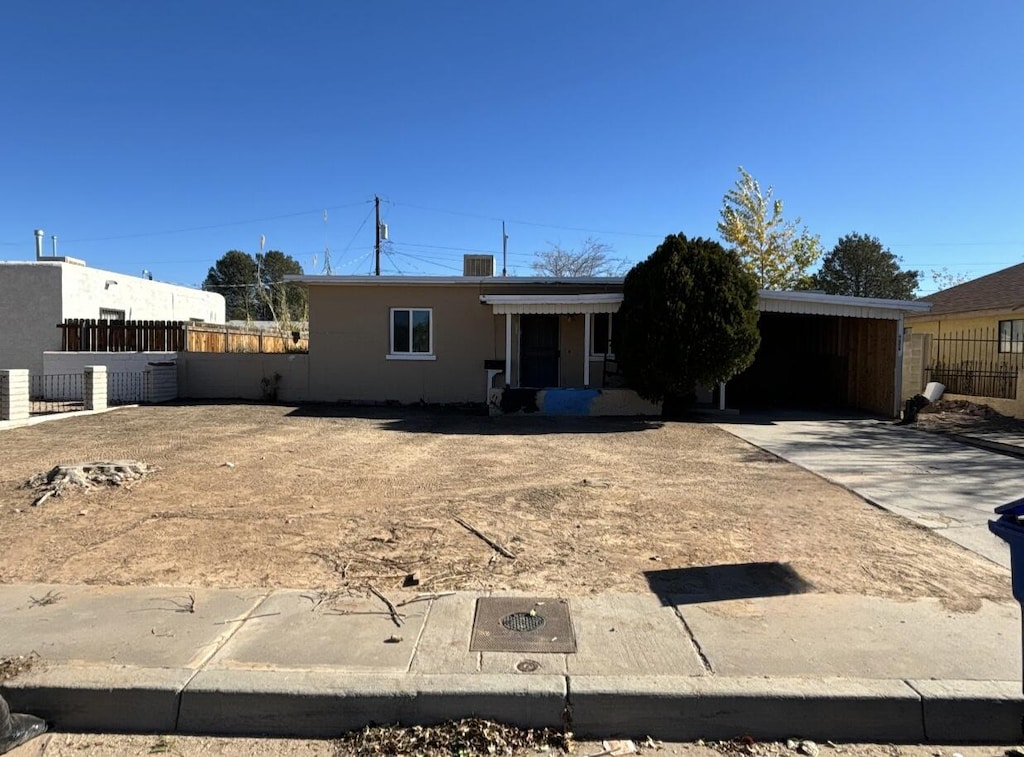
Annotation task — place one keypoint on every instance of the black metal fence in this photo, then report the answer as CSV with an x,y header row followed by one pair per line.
x,y
65,392
970,362
55,393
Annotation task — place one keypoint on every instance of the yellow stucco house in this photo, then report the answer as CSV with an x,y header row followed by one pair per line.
x,y
972,341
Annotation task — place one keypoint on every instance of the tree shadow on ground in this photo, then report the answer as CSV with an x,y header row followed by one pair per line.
x,y
474,421
768,417
718,583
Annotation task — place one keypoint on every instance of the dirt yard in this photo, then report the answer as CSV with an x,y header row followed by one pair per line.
x,y
327,498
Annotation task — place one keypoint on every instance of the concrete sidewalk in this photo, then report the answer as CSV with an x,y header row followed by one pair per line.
x,y
258,662
934,480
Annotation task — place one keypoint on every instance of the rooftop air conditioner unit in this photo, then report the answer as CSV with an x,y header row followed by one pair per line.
x,y
477,265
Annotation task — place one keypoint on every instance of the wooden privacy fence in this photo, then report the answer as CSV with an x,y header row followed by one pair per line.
x,y
975,363
91,335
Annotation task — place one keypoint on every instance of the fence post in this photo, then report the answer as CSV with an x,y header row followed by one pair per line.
x,y
95,390
14,404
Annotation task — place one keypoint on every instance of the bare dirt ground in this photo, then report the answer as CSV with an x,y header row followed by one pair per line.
x,y
66,745
963,417
337,499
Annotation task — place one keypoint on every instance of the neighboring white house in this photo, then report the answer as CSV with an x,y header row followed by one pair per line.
x,y
36,296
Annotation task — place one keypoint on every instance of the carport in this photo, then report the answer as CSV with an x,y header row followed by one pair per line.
x,y
825,352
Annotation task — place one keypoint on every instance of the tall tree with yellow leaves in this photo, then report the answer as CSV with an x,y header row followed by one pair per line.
x,y
778,252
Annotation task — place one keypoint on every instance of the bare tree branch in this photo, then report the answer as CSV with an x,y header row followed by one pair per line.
x,y
593,258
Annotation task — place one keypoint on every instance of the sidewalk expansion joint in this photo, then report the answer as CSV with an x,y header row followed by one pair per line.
x,y
704,661
567,709
217,646
920,698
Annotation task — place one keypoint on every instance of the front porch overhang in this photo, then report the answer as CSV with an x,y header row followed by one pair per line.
x,y
552,304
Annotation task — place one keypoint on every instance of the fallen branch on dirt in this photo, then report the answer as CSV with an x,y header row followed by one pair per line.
x,y
395,616
495,545
60,479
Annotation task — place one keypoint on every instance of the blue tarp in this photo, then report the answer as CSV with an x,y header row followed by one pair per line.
x,y
568,401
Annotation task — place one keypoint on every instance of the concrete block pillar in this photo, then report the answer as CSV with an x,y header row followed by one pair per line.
x,y
14,395
95,389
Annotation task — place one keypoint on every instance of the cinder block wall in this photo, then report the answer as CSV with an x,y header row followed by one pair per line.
x,y
916,351
161,383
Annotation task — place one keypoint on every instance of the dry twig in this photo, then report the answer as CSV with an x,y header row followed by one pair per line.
x,y
495,545
391,608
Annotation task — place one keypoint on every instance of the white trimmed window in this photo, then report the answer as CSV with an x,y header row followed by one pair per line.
x,y
412,334
1011,336
601,326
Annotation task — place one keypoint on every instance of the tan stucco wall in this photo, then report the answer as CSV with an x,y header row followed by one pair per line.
x,y
350,338
240,375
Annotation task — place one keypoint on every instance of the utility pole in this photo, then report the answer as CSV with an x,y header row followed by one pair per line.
x,y
376,245
504,250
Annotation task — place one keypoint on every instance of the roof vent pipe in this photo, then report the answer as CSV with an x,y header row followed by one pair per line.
x,y
39,243
54,238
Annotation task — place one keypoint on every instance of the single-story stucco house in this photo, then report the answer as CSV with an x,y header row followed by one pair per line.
x,y
546,344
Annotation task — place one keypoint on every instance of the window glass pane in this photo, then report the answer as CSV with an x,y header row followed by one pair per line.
x,y
401,331
421,331
1018,335
1004,336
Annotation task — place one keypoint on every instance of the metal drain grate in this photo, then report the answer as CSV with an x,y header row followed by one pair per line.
x,y
522,624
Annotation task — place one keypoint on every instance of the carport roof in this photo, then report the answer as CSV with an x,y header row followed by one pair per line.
x,y
819,303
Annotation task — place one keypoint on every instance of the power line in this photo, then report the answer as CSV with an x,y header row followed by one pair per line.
x,y
530,223
207,227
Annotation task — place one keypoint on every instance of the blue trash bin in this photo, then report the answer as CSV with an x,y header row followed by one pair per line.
x,y
1010,529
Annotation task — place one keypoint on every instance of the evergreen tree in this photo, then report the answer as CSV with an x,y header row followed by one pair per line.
x,y
688,318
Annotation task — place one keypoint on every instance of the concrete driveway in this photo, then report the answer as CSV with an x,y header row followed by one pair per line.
x,y
937,482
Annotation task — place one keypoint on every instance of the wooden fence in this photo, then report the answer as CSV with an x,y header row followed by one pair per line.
x,y
91,335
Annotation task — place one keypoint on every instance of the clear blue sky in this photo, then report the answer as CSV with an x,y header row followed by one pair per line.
x,y
159,135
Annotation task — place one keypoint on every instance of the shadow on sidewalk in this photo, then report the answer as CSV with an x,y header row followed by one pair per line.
x,y
717,583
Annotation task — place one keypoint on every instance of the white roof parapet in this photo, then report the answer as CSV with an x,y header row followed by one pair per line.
x,y
819,303
552,304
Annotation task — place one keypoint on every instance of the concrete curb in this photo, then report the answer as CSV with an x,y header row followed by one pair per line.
x,y
1013,450
325,704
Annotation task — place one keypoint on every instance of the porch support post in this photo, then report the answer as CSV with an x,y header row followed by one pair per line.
x,y
586,349
897,387
721,396
508,350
